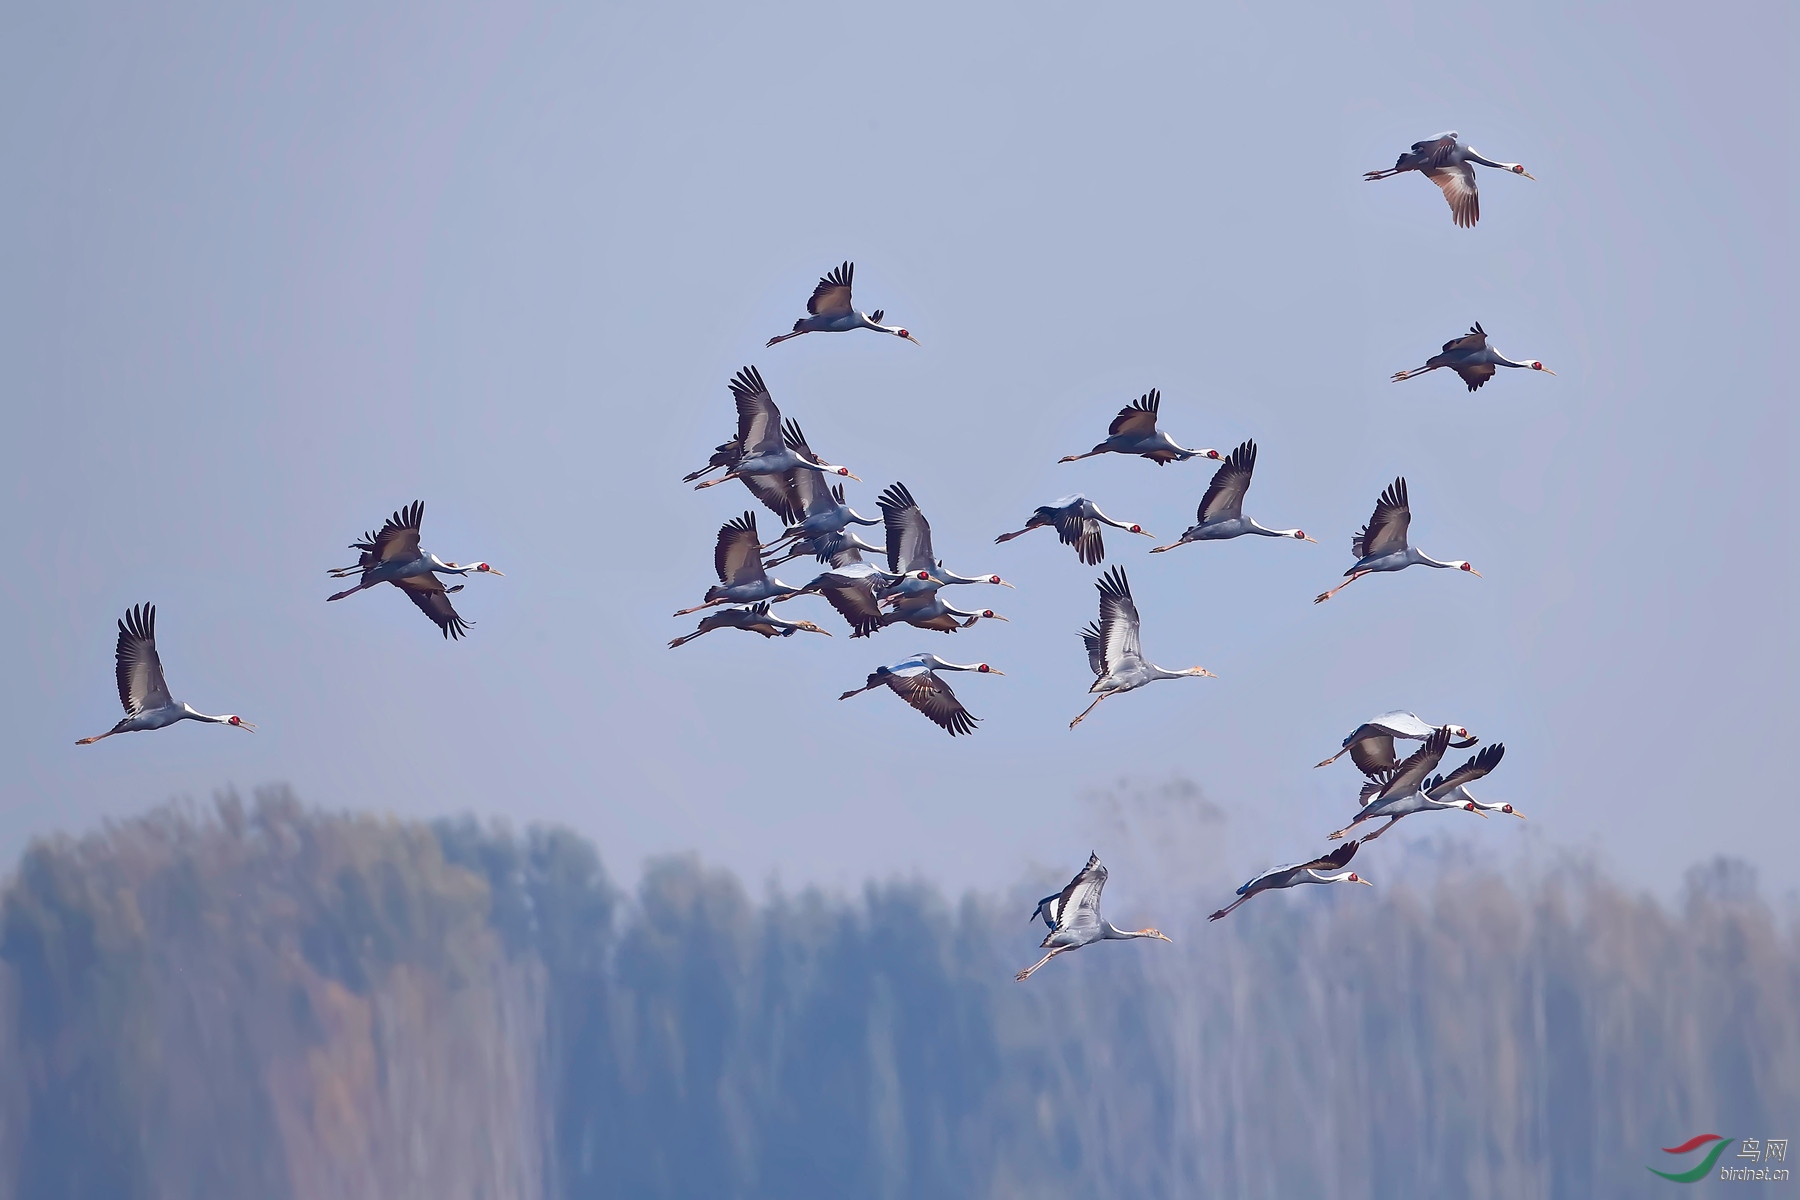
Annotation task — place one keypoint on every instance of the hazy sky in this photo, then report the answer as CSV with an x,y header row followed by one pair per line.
x,y
272,271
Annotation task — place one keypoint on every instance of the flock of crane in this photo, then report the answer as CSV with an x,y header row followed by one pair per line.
x,y
770,455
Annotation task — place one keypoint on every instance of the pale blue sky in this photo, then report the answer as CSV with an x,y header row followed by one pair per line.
x,y
273,271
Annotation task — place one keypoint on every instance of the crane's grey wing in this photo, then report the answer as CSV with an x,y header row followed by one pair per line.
x,y
399,537
759,421
1457,182
1472,342
1096,649
933,697
1046,908
1435,151
1374,754
1386,531
1337,860
1401,724
1078,905
908,532
1475,374
1373,786
855,601
832,297
1224,498
1474,769
777,490
1137,419
1419,764
1118,619
427,591
139,669
738,555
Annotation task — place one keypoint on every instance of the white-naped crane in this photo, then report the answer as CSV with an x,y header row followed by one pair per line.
x,y
1450,163
142,689
756,618
1401,792
1114,650
822,505
916,681
725,455
852,586
909,552
1444,792
1134,431
1371,744
824,547
1455,786
737,557
929,610
1077,522
1221,512
830,310
768,455
1327,868
1073,916
1472,358
1382,544
392,555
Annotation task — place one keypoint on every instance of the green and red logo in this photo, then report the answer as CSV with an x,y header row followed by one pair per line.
x,y
1688,1147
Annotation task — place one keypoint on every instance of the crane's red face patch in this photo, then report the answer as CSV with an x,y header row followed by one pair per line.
x,y
989,613
482,567
843,470
1537,366
993,579
1518,170
236,721
1300,533
983,668
924,574
1353,878
1137,529
1468,566
1212,454
1506,808
1461,732
905,334
1469,807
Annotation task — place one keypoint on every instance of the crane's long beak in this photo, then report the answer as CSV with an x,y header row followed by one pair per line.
x,y
1360,879
246,726
493,571
995,671
1201,671
915,341
1528,175
1313,540
1547,370
1474,572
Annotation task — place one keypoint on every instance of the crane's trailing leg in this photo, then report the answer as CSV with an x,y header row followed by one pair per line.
x,y
351,592
1324,596
1022,976
1226,911
1090,708
685,611
1369,837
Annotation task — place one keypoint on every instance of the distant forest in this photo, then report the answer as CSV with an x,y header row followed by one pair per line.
x,y
264,1000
